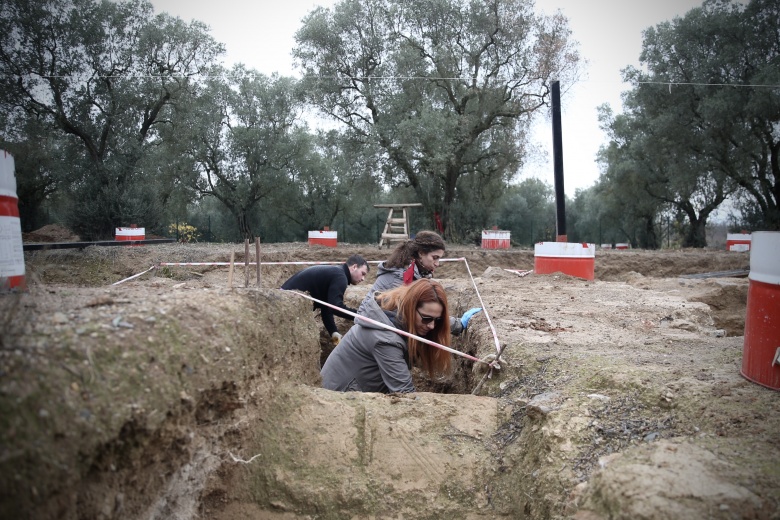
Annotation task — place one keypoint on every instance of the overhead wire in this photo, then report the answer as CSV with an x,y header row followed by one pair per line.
x,y
399,77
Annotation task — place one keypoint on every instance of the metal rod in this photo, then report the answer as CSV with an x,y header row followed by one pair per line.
x,y
560,195
257,258
246,262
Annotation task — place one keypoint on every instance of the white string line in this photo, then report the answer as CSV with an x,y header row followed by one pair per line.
x,y
240,263
462,259
134,276
735,85
484,309
183,264
391,328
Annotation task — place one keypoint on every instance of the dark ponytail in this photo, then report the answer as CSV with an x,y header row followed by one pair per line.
x,y
424,242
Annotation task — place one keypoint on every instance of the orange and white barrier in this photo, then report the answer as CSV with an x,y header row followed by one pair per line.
x,y
493,239
130,233
572,258
761,350
323,238
738,242
11,247
623,245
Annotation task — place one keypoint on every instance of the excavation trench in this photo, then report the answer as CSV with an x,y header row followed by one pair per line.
x,y
207,403
315,453
174,396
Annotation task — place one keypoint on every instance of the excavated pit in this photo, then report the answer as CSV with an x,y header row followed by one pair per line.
x,y
174,396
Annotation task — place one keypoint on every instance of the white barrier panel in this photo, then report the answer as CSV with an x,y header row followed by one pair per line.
x,y
494,239
738,242
323,238
130,233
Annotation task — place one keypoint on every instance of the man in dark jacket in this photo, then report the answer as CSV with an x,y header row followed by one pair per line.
x,y
328,283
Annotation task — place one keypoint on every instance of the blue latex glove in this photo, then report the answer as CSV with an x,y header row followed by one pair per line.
x,y
464,320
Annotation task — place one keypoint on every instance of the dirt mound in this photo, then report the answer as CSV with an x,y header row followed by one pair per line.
x,y
173,395
51,233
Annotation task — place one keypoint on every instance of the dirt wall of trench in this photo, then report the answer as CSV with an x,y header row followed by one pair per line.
x,y
108,393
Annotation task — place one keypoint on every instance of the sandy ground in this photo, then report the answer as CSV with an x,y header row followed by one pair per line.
x,y
172,395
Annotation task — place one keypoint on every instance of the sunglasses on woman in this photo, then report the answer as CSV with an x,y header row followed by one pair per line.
x,y
427,319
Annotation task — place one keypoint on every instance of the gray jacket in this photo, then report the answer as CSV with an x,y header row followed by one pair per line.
x,y
369,358
391,277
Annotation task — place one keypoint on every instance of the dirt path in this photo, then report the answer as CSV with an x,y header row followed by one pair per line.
x,y
172,396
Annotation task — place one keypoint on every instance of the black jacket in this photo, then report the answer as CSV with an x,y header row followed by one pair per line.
x,y
326,283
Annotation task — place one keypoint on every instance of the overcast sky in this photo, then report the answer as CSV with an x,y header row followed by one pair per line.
x,y
260,34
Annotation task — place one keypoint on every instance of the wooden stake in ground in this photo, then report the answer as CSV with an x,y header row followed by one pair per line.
x,y
257,259
230,272
246,262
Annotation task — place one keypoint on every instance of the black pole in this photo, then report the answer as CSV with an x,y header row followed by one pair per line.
x,y
560,196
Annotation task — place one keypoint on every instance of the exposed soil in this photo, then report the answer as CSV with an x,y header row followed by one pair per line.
x,y
173,395
50,233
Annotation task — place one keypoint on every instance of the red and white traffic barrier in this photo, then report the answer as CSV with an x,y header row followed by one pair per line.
x,y
11,247
572,258
761,351
130,233
495,239
738,242
323,238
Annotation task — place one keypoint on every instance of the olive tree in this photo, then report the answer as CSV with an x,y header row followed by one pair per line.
x,y
102,75
703,118
445,89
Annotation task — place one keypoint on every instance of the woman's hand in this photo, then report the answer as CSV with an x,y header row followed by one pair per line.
x,y
464,320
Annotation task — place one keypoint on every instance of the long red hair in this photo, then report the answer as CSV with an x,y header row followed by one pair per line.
x,y
405,300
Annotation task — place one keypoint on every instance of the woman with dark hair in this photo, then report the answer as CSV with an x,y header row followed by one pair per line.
x,y
371,358
412,260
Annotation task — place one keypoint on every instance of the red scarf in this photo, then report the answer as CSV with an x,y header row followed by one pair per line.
x,y
409,274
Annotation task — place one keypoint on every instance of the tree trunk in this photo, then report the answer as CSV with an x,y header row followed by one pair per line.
x,y
244,227
449,198
696,235
650,239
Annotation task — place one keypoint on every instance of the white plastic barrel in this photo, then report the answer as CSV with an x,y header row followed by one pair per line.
x,y
323,238
761,351
738,242
11,247
495,239
572,258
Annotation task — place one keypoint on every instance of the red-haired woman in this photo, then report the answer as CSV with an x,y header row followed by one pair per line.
x,y
374,359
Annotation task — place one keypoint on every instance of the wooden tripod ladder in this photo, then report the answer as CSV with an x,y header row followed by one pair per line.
x,y
397,225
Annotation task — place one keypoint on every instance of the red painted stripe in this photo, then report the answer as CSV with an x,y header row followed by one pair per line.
x,y
9,206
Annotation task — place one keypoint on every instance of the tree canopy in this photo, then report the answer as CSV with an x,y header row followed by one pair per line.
x,y
445,89
104,76
702,122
